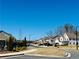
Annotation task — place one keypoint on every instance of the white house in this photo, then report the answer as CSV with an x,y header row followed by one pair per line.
x,y
67,38
61,40
45,40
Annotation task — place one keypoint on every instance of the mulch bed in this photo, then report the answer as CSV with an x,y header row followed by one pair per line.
x,y
3,52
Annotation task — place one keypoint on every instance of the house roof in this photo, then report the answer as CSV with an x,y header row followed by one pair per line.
x,y
4,35
55,36
48,38
4,32
72,35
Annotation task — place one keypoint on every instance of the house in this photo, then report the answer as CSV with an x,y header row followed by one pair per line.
x,y
45,41
61,40
4,37
71,37
68,39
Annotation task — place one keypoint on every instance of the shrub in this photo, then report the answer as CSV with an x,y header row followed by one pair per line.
x,y
21,48
10,44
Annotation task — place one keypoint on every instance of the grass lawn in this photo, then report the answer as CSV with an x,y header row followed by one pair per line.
x,y
49,51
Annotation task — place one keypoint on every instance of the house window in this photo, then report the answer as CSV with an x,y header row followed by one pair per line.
x,y
67,39
74,43
51,40
70,39
61,39
70,42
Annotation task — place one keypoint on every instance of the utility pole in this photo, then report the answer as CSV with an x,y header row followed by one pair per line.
x,y
76,39
29,39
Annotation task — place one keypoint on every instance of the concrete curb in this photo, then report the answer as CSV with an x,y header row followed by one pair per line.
x,y
13,54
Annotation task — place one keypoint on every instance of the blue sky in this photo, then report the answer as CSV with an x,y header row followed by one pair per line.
x,y
37,17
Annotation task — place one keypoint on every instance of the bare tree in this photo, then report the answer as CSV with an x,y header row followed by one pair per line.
x,y
66,28
59,30
69,28
50,33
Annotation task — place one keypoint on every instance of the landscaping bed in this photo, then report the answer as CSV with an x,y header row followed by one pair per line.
x,y
3,52
18,49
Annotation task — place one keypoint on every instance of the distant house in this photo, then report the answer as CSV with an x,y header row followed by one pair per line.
x,y
68,39
45,41
61,40
4,37
65,39
41,41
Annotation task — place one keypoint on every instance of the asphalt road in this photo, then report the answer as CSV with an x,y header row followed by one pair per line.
x,y
29,57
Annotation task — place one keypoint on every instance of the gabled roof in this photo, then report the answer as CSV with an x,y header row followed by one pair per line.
x,y
72,35
4,35
55,36
4,32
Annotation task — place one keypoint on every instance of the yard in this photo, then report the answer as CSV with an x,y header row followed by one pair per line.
x,y
49,51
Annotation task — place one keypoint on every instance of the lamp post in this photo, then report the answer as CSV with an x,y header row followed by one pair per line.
x,y
76,39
